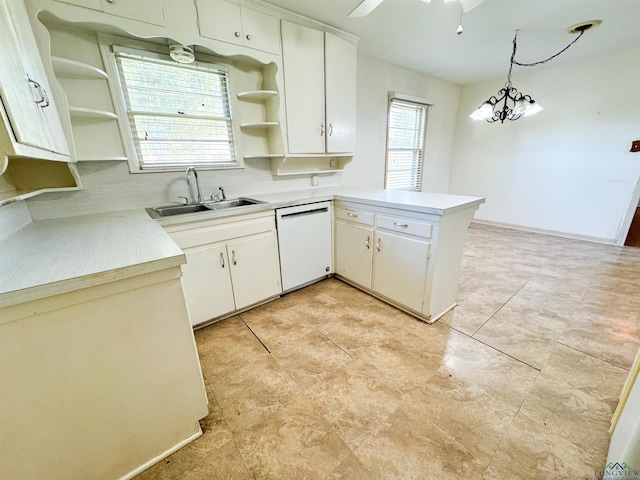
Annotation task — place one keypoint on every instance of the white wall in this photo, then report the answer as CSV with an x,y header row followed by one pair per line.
x,y
567,169
375,80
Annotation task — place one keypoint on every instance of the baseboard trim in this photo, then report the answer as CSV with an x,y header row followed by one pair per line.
x,y
163,455
555,233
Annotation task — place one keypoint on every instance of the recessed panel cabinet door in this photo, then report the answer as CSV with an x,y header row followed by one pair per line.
x,y
260,31
354,246
340,84
24,88
255,269
207,283
400,269
220,20
303,58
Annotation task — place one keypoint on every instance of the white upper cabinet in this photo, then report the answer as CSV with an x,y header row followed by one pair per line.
x,y
340,64
303,57
320,91
148,11
33,126
233,23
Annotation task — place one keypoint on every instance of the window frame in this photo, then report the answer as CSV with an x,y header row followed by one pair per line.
x,y
108,46
413,101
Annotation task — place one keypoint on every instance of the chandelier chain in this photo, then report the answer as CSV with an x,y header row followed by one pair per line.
x,y
513,60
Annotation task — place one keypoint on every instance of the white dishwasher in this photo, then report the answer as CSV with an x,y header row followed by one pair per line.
x,y
304,239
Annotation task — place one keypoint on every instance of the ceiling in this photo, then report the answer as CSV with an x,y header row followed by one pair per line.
x,y
421,36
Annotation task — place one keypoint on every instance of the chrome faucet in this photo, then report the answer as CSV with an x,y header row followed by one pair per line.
x,y
191,170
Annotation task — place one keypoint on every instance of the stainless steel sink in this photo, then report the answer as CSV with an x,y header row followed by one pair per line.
x,y
171,210
236,202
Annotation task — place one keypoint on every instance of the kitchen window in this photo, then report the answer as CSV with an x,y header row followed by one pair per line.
x,y
406,130
178,114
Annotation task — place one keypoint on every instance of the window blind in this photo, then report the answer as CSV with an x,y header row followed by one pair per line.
x,y
179,114
405,145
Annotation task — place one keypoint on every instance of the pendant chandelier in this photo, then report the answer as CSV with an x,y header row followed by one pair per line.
x,y
509,103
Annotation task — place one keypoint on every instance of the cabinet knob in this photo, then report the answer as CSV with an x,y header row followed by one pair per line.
x,y
403,225
237,34
330,129
352,215
248,37
366,244
222,263
378,244
111,1
234,259
322,129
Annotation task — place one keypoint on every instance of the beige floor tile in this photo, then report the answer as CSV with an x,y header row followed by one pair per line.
x,y
409,446
500,376
531,344
354,400
293,443
561,430
533,448
351,469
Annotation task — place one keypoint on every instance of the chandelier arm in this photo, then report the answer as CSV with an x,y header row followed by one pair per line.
x,y
514,61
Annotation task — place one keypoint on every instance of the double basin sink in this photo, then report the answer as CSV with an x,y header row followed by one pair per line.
x,y
171,210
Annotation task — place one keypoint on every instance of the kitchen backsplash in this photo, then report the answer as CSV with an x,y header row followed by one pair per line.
x,y
108,186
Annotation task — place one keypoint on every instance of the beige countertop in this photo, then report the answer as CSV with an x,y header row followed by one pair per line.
x,y
49,257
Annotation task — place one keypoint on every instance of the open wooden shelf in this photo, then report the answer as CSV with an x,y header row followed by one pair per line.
x,y
66,67
257,95
82,112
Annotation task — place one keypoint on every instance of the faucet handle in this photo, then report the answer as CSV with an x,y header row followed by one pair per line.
x,y
186,200
224,197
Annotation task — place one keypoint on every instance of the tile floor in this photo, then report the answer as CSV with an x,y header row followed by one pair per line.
x,y
519,381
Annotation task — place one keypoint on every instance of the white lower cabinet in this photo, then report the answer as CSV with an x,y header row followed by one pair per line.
x,y
207,283
232,264
400,268
353,252
255,269
386,253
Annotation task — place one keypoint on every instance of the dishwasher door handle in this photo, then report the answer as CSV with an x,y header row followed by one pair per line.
x,y
305,212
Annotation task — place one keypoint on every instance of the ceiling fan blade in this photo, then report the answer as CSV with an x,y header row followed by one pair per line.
x,y
365,8
468,5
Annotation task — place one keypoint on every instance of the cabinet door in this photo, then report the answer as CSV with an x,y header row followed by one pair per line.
x,y
340,89
24,88
148,11
207,283
354,247
400,269
260,31
220,20
255,269
303,59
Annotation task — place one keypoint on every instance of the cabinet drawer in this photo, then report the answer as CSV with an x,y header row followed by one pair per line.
x,y
355,216
405,225
217,233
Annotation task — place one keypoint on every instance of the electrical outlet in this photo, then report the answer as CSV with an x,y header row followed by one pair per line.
x,y
635,146
315,180
333,163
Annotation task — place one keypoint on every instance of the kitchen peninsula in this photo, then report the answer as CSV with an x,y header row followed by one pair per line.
x,y
96,345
